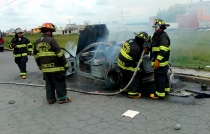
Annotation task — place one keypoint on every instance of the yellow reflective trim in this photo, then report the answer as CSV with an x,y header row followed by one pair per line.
x,y
155,49
22,73
60,54
125,54
19,55
167,89
24,54
162,64
21,45
67,65
160,94
43,54
55,69
132,93
127,68
160,57
164,48
29,44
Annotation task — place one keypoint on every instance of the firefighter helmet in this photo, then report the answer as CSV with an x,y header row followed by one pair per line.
x,y
158,23
47,26
18,30
142,35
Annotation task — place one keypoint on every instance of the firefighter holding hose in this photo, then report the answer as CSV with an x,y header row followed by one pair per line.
x,y
128,59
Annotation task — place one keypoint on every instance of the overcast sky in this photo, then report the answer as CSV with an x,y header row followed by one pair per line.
x,y
32,13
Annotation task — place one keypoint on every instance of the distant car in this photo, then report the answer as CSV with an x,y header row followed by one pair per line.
x,y
1,43
99,61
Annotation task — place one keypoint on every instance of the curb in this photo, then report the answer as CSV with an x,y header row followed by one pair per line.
x,y
192,78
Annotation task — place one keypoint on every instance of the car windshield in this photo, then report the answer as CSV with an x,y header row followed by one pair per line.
x,y
107,51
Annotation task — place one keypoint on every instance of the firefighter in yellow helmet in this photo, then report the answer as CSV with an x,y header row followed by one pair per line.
x,y
52,62
160,56
128,59
22,48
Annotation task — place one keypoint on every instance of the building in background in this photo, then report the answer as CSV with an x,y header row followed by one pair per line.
x,y
36,30
195,20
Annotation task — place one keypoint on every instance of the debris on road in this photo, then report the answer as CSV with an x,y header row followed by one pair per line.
x,y
130,113
177,126
181,93
11,102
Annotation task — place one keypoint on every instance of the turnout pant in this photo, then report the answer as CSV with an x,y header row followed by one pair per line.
x,y
55,82
21,62
161,80
134,87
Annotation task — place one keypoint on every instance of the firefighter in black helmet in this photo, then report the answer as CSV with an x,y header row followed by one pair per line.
x,y
128,59
160,56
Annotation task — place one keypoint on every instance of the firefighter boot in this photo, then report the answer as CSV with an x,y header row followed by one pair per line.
x,y
155,96
23,76
51,101
138,95
64,99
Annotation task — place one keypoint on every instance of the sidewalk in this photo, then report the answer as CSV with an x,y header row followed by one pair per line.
x,y
193,72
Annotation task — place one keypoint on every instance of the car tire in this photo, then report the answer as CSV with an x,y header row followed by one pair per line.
x,y
113,79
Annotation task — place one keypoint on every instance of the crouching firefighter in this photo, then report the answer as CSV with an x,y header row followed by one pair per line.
x,y
22,48
51,60
128,59
159,59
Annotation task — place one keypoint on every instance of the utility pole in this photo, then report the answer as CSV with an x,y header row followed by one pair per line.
x,y
69,21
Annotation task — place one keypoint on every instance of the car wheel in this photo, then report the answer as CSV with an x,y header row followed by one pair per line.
x,y
113,80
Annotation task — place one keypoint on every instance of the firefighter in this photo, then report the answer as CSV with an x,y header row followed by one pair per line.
x,y
52,62
160,56
128,59
22,48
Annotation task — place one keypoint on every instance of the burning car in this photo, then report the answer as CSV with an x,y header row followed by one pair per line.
x,y
98,60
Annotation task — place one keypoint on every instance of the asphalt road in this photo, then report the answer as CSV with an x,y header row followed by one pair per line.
x,y
87,114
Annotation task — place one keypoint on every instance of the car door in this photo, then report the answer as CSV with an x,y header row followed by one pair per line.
x,y
71,60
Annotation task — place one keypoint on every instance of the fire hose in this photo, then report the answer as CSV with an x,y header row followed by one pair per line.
x,y
85,92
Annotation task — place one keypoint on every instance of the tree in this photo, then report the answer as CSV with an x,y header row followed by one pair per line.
x,y
171,13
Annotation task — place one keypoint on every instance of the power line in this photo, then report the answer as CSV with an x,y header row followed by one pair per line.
x,y
15,6
8,3
3,1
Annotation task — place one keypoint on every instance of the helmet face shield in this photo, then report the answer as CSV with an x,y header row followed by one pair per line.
x,y
155,27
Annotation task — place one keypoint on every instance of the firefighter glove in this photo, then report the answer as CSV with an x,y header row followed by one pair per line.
x,y
13,45
156,64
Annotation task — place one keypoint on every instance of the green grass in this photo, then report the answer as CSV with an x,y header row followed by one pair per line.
x,y
188,49
61,39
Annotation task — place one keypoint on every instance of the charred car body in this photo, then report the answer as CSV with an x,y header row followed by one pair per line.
x,y
96,58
